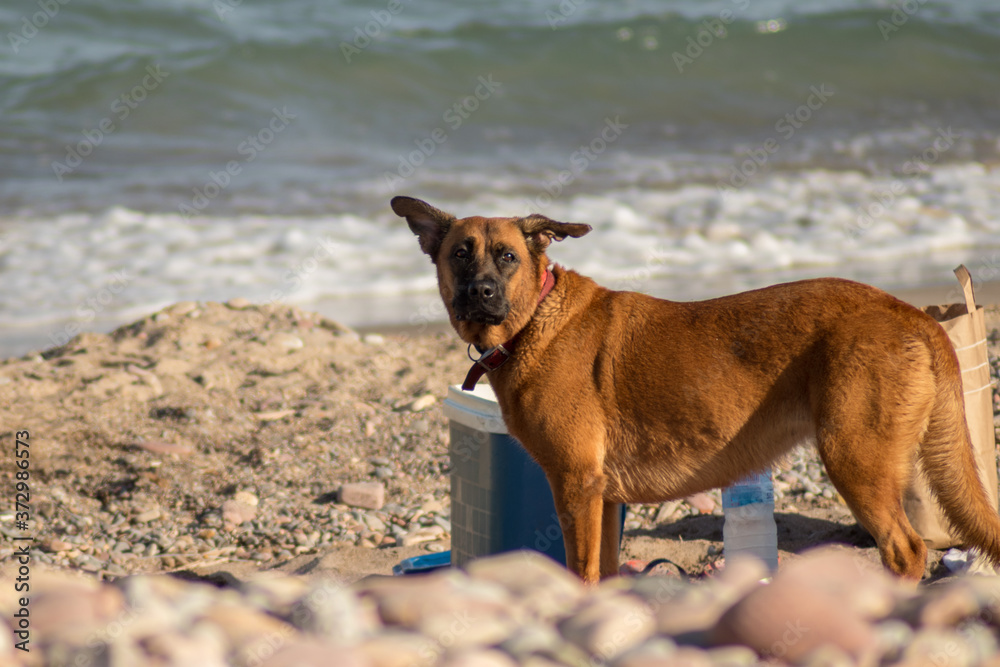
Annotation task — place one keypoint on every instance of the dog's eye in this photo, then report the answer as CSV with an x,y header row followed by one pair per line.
x,y
461,253
509,257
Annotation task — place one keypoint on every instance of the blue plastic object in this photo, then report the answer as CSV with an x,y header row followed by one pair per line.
x,y
422,564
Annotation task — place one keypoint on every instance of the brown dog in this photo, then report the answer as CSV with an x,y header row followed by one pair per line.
x,y
622,397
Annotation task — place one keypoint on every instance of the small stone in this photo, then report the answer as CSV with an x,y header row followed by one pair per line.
x,y
286,341
667,511
939,647
805,607
435,547
246,498
530,640
374,523
313,653
273,415
681,609
607,627
478,657
151,514
235,512
422,403
373,339
432,506
73,610
394,509
56,545
238,303
367,495
543,587
163,447
383,472
379,461
701,502
370,429
181,308
732,656
207,533
893,636
946,606
212,343
421,535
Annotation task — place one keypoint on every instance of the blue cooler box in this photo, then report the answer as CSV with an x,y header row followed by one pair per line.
x,y
500,498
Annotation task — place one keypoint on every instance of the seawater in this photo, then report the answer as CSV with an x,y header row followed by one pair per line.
x,y
209,148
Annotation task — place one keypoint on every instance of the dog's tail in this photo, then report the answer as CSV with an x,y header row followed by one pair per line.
x,y
949,461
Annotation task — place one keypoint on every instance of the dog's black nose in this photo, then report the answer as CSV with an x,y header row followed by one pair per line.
x,y
482,289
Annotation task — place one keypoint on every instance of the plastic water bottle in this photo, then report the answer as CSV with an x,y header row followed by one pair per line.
x,y
748,506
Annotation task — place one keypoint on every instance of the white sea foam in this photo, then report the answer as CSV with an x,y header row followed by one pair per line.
x,y
684,243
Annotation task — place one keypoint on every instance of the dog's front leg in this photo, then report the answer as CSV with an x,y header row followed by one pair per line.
x,y
610,539
580,504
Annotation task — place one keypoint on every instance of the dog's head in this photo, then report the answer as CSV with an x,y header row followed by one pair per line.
x,y
490,270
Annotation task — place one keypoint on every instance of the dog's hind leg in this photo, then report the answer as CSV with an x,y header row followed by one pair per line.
x,y
873,489
870,461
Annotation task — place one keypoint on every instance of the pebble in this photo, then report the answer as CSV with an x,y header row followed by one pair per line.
x,y
238,303
421,403
236,512
420,535
804,608
181,308
163,447
56,545
151,514
373,339
286,341
666,511
608,627
246,498
367,495
701,502
374,523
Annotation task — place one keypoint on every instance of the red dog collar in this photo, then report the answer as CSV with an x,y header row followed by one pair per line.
x,y
494,358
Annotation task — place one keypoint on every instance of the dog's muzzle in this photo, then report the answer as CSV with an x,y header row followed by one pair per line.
x,y
481,301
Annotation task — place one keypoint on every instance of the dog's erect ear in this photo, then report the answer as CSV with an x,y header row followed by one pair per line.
x,y
540,231
427,222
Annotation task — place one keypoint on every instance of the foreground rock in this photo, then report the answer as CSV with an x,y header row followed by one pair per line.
x,y
520,609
